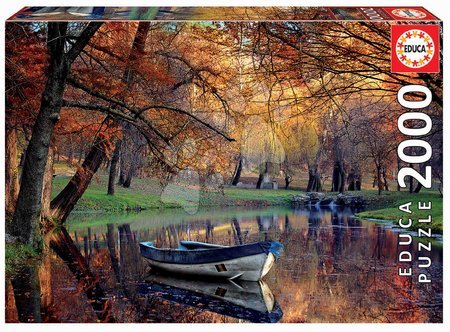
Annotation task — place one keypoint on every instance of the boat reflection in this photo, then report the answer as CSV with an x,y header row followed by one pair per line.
x,y
249,300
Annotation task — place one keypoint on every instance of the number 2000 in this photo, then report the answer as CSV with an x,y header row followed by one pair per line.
x,y
414,132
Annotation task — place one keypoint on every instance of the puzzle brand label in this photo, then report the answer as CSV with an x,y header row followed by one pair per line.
x,y
415,48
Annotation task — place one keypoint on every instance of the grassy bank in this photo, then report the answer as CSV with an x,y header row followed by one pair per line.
x,y
392,213
16,255
147,194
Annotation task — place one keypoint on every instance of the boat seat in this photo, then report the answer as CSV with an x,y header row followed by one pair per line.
x,y
193,245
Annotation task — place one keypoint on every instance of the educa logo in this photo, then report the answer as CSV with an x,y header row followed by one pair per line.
x,y
409,13
415,48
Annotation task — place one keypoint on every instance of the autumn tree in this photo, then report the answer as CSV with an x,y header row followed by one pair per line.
x,y
27,213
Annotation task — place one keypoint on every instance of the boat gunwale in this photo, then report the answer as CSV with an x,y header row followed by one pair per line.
x,y
204,256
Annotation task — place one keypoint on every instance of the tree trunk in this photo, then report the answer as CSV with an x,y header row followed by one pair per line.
x,y
122,169
28,210
338,178
314,181
385,182
379,182
134,164
127,168
287,181
71,152
126,154
113,168
64,203
418,188
262,174
237,172
354,179
47,186
28,207
22,159
351,180
260,180
127,182
358,182
11,171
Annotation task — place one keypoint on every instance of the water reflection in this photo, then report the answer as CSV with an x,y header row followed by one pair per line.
x,y
334,269
250,301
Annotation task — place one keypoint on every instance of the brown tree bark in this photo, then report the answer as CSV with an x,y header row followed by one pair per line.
x,y
64,203
354,179
260,180
11,170
135,161
47,186
385,181
314,181
122,170
128,164
287,181
263,172
113,168
338,177
378,179
237,172
287,173
28,208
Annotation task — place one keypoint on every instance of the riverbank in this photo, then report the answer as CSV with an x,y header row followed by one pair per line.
x,y
147,194
392,213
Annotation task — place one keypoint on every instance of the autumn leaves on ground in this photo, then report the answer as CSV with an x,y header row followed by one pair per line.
x,y
121,115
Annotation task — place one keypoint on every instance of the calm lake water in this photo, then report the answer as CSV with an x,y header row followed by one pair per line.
x,y
334,268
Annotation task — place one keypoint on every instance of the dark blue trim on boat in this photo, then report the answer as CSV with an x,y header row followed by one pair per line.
x,y
208,255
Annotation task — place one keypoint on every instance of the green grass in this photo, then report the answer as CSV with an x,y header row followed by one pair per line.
x,y
147,194
392,213
144,194
16,255
252,197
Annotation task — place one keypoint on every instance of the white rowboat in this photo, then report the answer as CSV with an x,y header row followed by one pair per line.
x,y
246,262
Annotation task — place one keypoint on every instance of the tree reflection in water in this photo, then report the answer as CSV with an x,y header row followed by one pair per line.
x,y
334,269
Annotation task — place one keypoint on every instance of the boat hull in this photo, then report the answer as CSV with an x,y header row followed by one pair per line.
x,y
251,268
